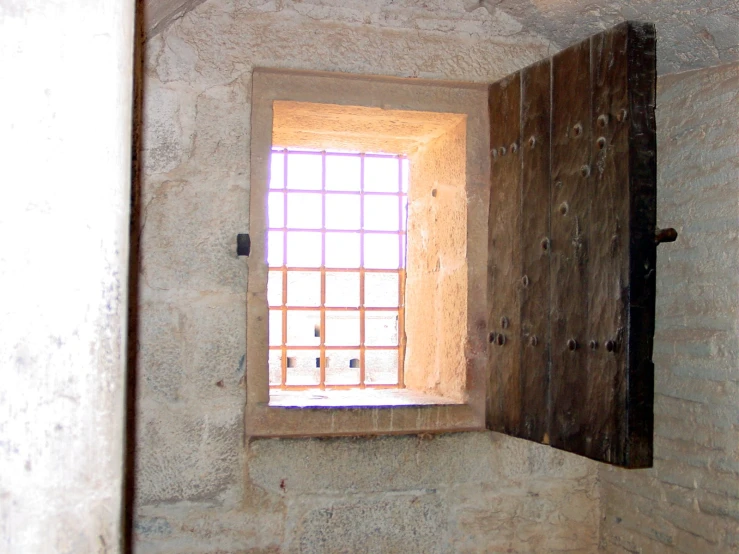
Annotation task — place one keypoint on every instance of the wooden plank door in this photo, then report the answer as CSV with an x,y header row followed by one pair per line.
x,y
572,248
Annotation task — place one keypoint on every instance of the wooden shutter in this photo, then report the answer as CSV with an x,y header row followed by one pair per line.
x,y
572,248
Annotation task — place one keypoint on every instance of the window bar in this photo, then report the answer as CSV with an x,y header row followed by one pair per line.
x,y
342,387
346,193
283,273
401,282
336,153
342,347
328,231
338,269
362,357
341,309
322,343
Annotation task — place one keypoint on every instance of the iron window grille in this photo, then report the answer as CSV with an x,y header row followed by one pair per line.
x,y
336,250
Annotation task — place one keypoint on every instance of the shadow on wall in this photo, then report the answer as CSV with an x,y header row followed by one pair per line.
x,y
129,468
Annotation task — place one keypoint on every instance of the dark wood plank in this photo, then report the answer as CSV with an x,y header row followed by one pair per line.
x,y
504,257
535,289
570,205
607,239
585,384
607,288
642,78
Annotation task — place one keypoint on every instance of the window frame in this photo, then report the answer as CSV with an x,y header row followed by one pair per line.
x,y
469,99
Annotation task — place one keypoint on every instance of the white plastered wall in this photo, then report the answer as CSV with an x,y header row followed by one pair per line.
x,y
65,120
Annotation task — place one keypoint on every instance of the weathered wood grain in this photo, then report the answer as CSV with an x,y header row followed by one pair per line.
x,y
642,79
570,206
604,404
504,264
572,250
535,289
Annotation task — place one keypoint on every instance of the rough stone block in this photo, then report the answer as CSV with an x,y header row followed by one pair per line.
x,y
370,464
187,456
556,515
216,343
408,523
221,138
404,463
191,349
161,351
165,145
196,528
189,236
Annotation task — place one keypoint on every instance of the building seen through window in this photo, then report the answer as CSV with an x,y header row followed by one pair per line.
x,y
336,255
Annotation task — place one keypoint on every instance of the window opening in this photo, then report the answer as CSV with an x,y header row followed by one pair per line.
x,y
336,251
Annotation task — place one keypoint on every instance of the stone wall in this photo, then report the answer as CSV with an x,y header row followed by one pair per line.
x,y
689,501
199,487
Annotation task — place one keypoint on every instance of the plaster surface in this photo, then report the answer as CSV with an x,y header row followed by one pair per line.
x,y
356,128
691,33
65,177
200,488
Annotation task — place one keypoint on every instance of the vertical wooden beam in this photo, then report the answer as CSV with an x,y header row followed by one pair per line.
x,y
504,263
535,279
570,206
640,117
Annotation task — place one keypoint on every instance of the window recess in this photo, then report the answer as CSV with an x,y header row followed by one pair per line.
x,y
543,273
368,360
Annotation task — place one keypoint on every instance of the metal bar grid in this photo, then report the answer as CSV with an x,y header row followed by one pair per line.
x,y
346,192
337,308
334,269
338,346
336,387
283,269
330,231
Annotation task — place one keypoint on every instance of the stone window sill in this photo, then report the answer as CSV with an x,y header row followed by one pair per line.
x,y
355,398
313,420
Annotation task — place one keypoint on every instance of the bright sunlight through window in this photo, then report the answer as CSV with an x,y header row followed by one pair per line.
x,y
336,252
